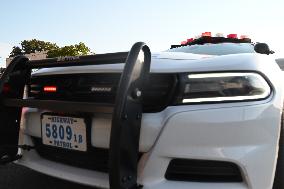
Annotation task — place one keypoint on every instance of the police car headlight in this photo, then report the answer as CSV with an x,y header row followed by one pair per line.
x,y
219,87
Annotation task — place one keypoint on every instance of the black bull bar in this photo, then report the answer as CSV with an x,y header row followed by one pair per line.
x,y
126,112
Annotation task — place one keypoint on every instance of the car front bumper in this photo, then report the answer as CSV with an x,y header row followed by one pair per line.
x,y
245,134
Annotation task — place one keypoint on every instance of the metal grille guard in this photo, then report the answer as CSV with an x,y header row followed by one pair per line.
x,y
127,110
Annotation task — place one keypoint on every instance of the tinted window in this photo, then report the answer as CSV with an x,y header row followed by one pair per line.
x,y
216,49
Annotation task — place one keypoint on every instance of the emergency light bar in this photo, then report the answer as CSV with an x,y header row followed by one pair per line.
x,y
206,37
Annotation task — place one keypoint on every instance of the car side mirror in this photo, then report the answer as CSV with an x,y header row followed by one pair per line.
x,y
262,48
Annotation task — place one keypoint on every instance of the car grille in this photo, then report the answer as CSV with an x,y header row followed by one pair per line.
x,y
94,159
203,171
101,88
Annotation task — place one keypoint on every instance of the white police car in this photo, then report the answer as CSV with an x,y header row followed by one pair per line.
x,y
210,117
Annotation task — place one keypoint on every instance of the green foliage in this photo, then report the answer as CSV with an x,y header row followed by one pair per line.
x,y
16,51
71,50
31,46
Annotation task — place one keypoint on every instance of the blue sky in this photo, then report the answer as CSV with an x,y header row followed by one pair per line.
x,y
114,25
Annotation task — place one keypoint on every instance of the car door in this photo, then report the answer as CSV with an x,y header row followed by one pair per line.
x,y
12,84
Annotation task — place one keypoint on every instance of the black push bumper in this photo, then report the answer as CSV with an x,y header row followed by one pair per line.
x,y
126,112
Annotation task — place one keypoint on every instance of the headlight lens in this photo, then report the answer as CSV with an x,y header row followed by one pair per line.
x,y
215,87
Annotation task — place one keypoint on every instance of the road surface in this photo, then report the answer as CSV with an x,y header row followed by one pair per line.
x,y
16,177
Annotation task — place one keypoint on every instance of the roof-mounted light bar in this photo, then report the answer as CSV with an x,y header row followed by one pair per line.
x,y
205,37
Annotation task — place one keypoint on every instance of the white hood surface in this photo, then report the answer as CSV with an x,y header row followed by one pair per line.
x,y
173,62
179,56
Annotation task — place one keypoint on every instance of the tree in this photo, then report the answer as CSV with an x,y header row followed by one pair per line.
x,y
71,50
31,46
16,51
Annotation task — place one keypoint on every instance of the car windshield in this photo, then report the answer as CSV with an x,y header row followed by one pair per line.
x,y
216,49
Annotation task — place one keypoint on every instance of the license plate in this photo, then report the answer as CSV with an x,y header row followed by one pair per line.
x,y
64,132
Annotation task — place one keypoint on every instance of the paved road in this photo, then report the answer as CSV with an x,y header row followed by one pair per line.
x,y
17,177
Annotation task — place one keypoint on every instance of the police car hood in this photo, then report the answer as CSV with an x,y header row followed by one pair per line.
x,y
173,62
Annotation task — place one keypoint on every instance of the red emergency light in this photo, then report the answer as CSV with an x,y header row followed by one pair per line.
x,y
232,36
206,34
190,40
50,89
